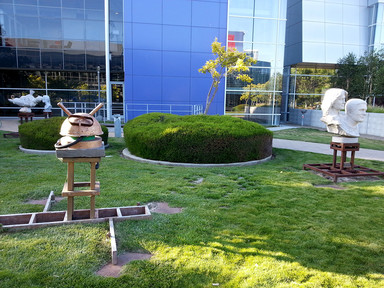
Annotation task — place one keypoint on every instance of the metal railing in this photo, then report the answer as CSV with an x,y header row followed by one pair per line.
x,y
134,109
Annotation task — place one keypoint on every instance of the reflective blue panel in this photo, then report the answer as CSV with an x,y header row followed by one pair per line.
x,y
50,3
49,12
351,34
265,30
73,29
73,3
206,14
94,30
52,44
7,57
74,60
28,42
333,52
28,58
116,32
176,38
27,27
73,13
30,11
241,28
333,12
313,11
146,62
333,33
26,2
116,10
50,28
148,11
146,36
202,38
95,59
94,14
146,89
269,9
313,31
241,7
94,45
51,59
94,4
176,89
176,63
177,12
350,14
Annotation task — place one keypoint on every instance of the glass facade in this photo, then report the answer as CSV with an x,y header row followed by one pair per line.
x,y
61,43
157,47
376,26
57,35
318,34
257,28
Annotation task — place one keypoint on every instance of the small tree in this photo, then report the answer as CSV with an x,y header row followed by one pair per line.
x,y
227,63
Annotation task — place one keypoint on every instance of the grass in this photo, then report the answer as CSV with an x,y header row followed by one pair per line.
x,y
319,136
262,226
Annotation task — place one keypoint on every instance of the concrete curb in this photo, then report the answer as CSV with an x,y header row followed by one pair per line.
x,y
37,152
127,155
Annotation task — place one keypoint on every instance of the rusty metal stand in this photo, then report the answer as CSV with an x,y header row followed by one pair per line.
x,y
343,169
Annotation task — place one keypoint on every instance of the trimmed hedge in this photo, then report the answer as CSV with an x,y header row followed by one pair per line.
x,y
197,138
43,134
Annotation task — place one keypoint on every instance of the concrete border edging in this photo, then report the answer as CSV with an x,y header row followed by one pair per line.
x,y
38,152
127,155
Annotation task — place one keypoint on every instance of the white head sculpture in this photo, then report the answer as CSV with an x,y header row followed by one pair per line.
x,y
333,102
355,112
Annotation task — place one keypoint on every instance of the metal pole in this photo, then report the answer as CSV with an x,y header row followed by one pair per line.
x,y
46,82
98,83
107,60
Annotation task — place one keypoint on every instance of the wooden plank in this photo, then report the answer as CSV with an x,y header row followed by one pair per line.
x,y
78,159
70,175
49,201
113,241
93,175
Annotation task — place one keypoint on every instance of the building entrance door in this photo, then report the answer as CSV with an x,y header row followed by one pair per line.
x,y
118,99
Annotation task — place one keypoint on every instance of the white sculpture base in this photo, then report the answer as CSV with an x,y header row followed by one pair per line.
x,y
25,110
340,139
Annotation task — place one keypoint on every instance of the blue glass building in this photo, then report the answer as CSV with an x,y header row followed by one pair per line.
x,y
56,47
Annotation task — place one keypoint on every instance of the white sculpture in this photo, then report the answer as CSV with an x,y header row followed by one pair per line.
x,y
355,112
47,101
342,125
333,102
26,101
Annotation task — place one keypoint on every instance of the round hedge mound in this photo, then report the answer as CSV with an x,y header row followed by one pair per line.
x,y
43,134
197,138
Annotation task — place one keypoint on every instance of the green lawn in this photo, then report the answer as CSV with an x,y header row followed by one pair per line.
x,y
262,226
319,136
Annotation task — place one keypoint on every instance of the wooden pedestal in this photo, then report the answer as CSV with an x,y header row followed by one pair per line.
x,y
24,116
69,186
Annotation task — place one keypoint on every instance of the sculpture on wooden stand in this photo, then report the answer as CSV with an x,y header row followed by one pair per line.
x,y
346,132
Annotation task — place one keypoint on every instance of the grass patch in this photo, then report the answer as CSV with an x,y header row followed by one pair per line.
x,y
319,136
260,226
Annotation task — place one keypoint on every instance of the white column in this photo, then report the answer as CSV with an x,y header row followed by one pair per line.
x,y
107,61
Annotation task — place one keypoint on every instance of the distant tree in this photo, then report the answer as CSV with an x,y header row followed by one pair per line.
x,y
349,75
226,63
